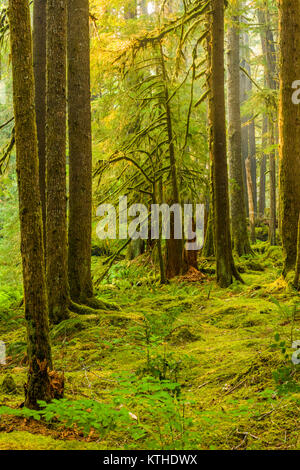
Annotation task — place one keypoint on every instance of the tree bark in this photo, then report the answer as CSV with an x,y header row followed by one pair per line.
x,y
175,262
245,127
224,259
289,129
208,249
80,152
251,201
36,309
56,222
39,66
263,168
272,223
267,43
238,210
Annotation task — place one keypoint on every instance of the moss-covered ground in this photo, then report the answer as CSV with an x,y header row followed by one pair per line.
x,y
218,344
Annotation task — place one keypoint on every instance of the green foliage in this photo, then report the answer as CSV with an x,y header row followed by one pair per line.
x,y
288,313
284,376
85,414
161,401
151,338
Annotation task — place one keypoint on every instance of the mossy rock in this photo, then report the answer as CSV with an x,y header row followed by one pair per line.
x,y
250,265
8,385
184,335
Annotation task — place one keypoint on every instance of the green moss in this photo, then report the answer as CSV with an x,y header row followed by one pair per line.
x,y
8,385
221,338
22,440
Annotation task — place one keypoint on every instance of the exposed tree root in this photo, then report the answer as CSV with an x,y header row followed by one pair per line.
x,y
82,309
97,304
236,274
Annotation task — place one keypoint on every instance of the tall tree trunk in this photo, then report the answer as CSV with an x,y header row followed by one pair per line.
x,y
263,168
80,151
224,259
268,48
289,129
251,200
175,263
208,249
251,146
36,309
245,127
39,66
238,211
56,223
252,156
272,223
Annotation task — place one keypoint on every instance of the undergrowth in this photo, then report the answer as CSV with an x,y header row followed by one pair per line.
x,y
185,365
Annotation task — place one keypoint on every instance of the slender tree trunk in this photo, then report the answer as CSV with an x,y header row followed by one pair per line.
x,y
80,152
56,224
36,309
238,211
289,129
251,146
268,47
251,201
158,186
208,249
245,127
263,168
175,263
267,43
272,226
252,156
224,259
39,66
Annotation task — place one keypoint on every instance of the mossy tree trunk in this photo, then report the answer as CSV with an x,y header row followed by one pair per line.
x,y
208,249
175,262
238,210
56,223
245,127
224,259
36,309
273,220
289,128
251,201
252,156
80,151
268,48
39,66
263,169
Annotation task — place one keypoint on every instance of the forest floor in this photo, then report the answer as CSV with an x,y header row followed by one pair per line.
x,y
237,388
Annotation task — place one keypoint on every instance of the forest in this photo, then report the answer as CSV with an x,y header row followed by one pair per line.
x,y
149,225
